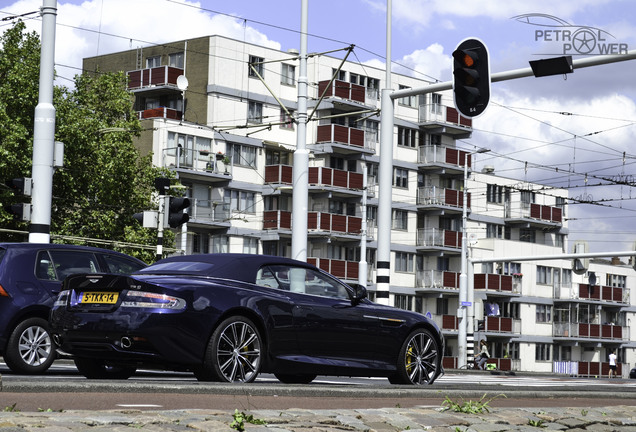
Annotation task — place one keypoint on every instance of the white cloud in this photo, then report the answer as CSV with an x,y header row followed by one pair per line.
x,y
429,63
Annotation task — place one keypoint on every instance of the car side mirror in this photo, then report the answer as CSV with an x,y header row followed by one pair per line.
x,y
359,293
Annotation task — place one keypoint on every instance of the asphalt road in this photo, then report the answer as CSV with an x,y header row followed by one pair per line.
x,y
63,389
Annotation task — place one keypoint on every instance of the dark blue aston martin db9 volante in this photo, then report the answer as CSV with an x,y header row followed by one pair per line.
x,y
228,317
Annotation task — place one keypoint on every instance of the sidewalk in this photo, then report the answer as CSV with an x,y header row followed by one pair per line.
x,y
617,418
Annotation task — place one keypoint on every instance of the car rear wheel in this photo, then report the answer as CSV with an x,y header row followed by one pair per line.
x,y
30,349
419,359
233,354
99,369
295,379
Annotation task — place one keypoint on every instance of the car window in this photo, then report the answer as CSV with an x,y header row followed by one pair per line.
x,y
44,267
301,280
121,265
67,262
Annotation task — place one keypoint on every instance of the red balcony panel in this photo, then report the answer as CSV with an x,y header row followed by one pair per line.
x,y
535,211
312,220
595,368
449,362
358,93
339,223
342,89
584,291
340,178
506,283
595,330
452,197
355,181
354,225
352,270
134,79
557,214
452,239
314,176
357,137
606,331
492,324
452,116
312,261
494,282
274,219
466,121
338,268
617,332
324,133
506,324
162,112
449,322
340,134
584,330
479,281
452,157
278,174
450,279
617,294
584,368
606,293
322,85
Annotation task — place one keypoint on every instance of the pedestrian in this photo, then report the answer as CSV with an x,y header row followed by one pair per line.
x,y
612,364
483,354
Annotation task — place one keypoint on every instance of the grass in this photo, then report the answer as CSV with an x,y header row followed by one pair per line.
x,y
469,407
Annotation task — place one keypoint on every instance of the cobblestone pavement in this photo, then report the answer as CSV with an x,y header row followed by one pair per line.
x,y
616,418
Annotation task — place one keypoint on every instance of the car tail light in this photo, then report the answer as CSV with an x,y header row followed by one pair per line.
x,y
142,299
3,293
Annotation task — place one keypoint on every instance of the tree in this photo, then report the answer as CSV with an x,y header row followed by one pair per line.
x,y
104,180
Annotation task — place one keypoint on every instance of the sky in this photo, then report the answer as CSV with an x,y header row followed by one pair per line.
x,y
572,131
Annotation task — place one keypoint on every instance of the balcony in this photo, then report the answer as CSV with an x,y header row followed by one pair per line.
x,y
209,212
605,293
339,268
323,176
277,219
495,324
279,174
436,197
497,283
161,112
540,216
334,223
440,157
590,331
437,118
343,90
345,138
439,239
195,164
438,280
152,78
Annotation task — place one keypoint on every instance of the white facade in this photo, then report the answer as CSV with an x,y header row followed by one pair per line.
x,y
234,152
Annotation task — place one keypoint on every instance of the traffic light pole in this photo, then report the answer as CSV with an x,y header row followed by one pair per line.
x,y
160,222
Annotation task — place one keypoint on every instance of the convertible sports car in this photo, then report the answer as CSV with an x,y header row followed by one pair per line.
x,y
228,317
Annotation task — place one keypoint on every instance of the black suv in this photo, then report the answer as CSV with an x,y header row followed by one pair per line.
x,y
31,276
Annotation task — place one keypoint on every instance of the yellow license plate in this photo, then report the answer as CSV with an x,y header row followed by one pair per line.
x,y
99,297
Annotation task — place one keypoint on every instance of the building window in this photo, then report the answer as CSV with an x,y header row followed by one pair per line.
x,y
410,101
407,137
254,112
618,281
566,277
441,306
372,216
240,201
404,262
544,313
257,63
494,231
286,120
527,235
277,157
542,352
250,245
436,103
544,275
200,243
154,61
220,244
400,219
562,353
495,193
403,301
288,74
176,60
401,177
242,155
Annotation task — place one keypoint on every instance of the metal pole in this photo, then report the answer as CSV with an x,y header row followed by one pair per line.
x,y
300,194
385,178
362,266
44,133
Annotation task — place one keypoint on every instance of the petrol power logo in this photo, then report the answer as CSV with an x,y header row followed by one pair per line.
x,y
565,38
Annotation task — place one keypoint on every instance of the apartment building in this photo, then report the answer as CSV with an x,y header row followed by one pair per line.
x,y
219,113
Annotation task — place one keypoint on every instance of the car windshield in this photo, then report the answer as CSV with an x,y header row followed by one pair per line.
x,y
180,267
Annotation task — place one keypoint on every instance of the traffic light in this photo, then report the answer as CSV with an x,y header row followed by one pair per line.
x,y
174,215
20,211
147,219
20,186
471,77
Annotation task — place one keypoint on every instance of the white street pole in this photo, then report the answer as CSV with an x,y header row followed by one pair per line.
x,y
300,195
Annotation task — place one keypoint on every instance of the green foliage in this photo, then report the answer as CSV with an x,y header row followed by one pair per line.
x,y
240,418
105,179
469,407
536,423
11,408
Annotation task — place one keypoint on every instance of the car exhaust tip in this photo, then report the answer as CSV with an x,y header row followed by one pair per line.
x,y
126,342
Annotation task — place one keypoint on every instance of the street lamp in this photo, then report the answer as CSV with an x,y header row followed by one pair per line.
x,y
463,279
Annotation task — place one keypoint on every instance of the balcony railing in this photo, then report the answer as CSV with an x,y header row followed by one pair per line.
x,y
161,112
343,90
436,113
341,134
606,293
597,369
590,331
496,282
157,76
438,279
277,219
338,268
209,211
440,155
433,195
197,160
437,237
496,324
323,176
534,211
330,222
